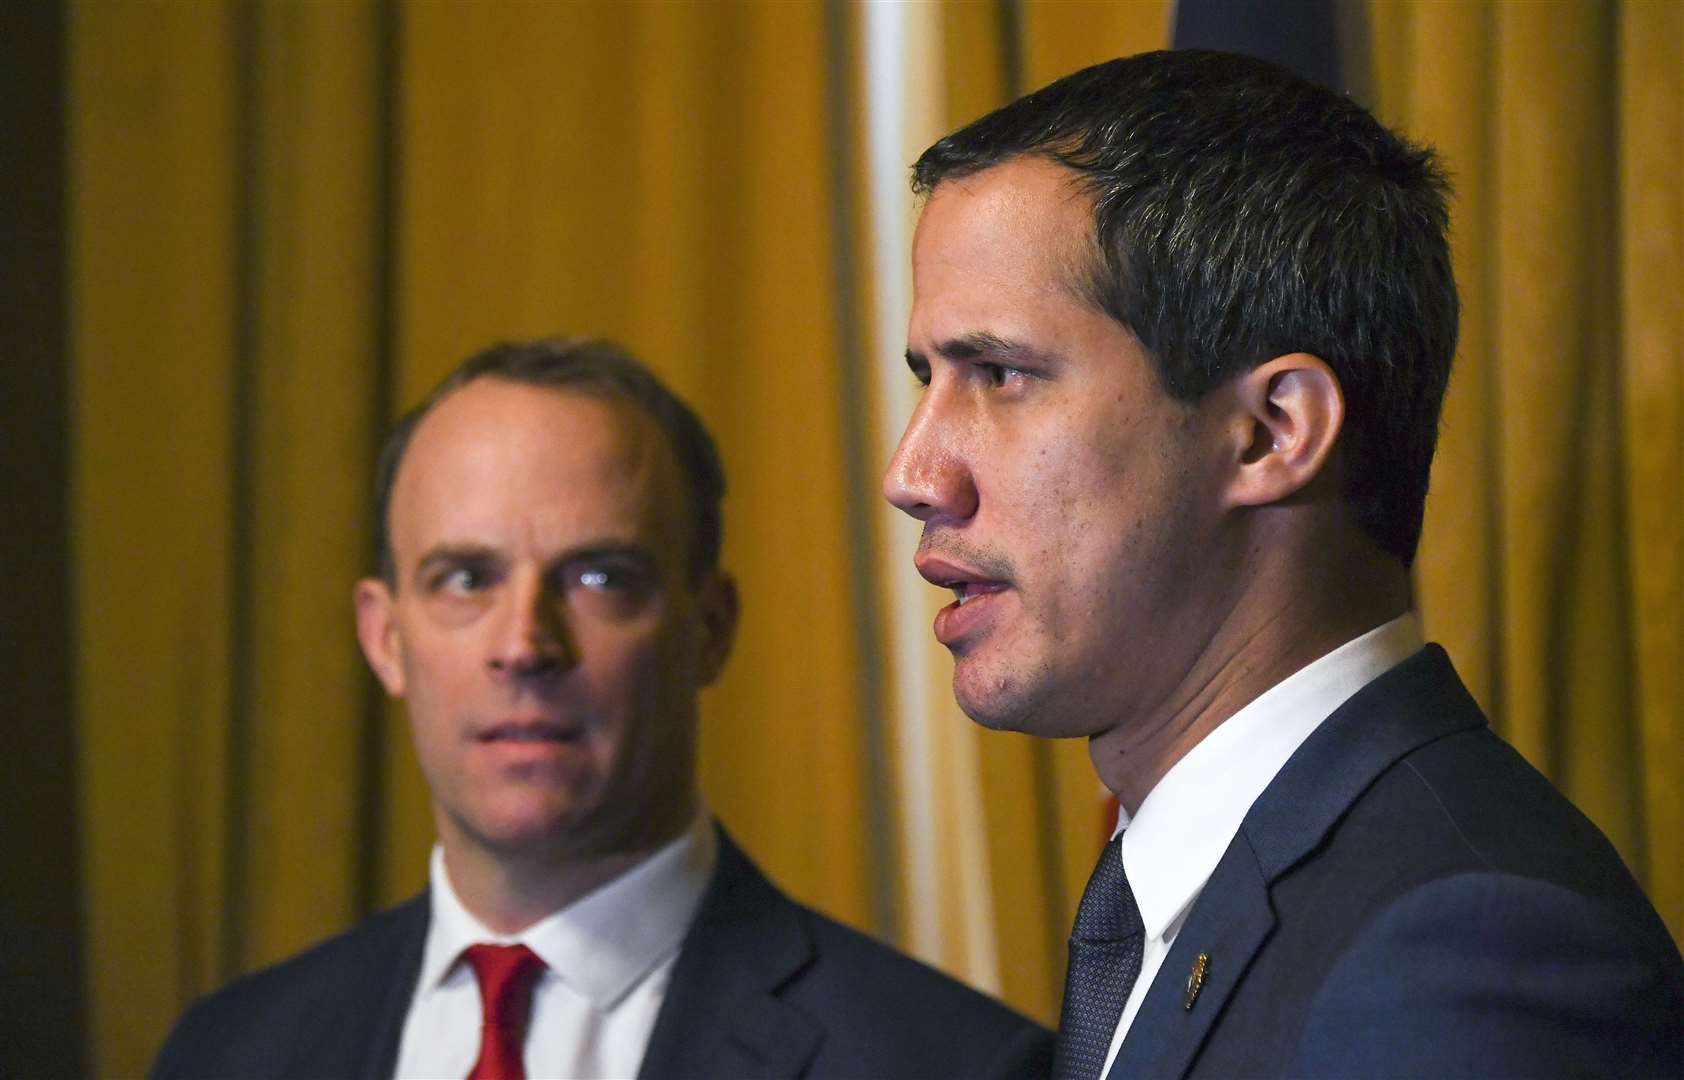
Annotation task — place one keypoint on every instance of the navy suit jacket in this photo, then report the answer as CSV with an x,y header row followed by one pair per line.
x,y
762,987
1409,897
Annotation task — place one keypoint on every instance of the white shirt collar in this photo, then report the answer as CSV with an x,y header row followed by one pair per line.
x,y
1174,841
601,944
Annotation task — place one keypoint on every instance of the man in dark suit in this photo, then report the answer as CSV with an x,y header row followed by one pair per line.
x,y
550,603
1185,322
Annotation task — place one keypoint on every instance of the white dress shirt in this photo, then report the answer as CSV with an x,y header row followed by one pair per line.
x,y
609,957
1172,844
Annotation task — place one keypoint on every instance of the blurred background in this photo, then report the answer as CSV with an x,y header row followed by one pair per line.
x,y
240,237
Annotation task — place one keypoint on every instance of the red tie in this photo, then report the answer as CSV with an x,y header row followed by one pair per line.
x,y
506,974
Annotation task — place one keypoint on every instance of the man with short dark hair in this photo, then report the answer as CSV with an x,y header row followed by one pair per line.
x,y
549,605
1184,322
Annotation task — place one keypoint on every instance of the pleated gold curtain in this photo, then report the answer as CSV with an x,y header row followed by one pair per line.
x,y
288,220
1553,562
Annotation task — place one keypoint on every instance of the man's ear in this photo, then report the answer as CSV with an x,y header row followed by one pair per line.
x,y
377,630
718,599
1288,413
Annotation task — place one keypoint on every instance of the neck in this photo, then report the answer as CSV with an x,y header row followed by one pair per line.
x,y
1288,615
508,891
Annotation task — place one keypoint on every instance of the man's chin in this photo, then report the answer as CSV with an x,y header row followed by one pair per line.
x,y
529,827
515,840
1005,700
993,700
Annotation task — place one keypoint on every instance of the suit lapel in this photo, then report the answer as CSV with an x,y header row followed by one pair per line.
x,y
361,1020
1228,925
1415,703
723,1015
1418,702
388,1004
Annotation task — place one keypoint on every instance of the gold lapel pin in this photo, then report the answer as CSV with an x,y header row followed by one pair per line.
x,y
1195,981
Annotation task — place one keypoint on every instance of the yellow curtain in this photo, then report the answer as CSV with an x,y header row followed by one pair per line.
x,y
225,324
1552,567
288,220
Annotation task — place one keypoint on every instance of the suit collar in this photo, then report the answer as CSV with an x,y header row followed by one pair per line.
x,y
723,1015
1185,824
358,1021
1415,703
603,943
389,1004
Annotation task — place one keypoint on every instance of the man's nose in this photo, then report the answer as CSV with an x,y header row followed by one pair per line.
x,y
929,477
532,637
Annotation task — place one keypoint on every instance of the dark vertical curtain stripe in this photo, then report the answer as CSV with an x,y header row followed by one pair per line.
x,y
42,1021
382,409
243,356
1011,48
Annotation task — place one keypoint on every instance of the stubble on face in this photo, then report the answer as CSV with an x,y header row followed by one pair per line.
x,y
1084,481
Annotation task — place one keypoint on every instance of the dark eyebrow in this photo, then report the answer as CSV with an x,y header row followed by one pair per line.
x,y
983,345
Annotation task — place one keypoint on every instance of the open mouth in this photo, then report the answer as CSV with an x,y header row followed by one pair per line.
x,y
966,583
966,591
965,618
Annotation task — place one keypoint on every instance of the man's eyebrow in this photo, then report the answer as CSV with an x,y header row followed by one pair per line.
x,y
606,549
984,345
453,554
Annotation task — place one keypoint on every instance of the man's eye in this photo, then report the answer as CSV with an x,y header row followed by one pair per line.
x,y
461,579
1000,374
605,578
611,590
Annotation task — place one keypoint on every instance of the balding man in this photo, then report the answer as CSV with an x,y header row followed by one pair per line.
x,y
549,605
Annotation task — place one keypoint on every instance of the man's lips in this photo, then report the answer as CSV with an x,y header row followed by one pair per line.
x,y
965,582
971,590
530,731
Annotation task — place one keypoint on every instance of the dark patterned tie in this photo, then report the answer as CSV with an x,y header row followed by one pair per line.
x,y
1104,962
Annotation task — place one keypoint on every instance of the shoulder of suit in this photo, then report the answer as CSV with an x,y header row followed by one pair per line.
x,y
264,1006
851,959
1487,972
1488,807
372,941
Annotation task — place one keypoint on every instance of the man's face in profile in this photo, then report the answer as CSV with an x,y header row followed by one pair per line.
x,y
543,628
1065,497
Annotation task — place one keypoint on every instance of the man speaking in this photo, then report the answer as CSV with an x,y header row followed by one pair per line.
x,y
1184,323
549,604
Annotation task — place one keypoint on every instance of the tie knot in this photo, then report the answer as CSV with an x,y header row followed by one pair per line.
x,y
506,974
1108,911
